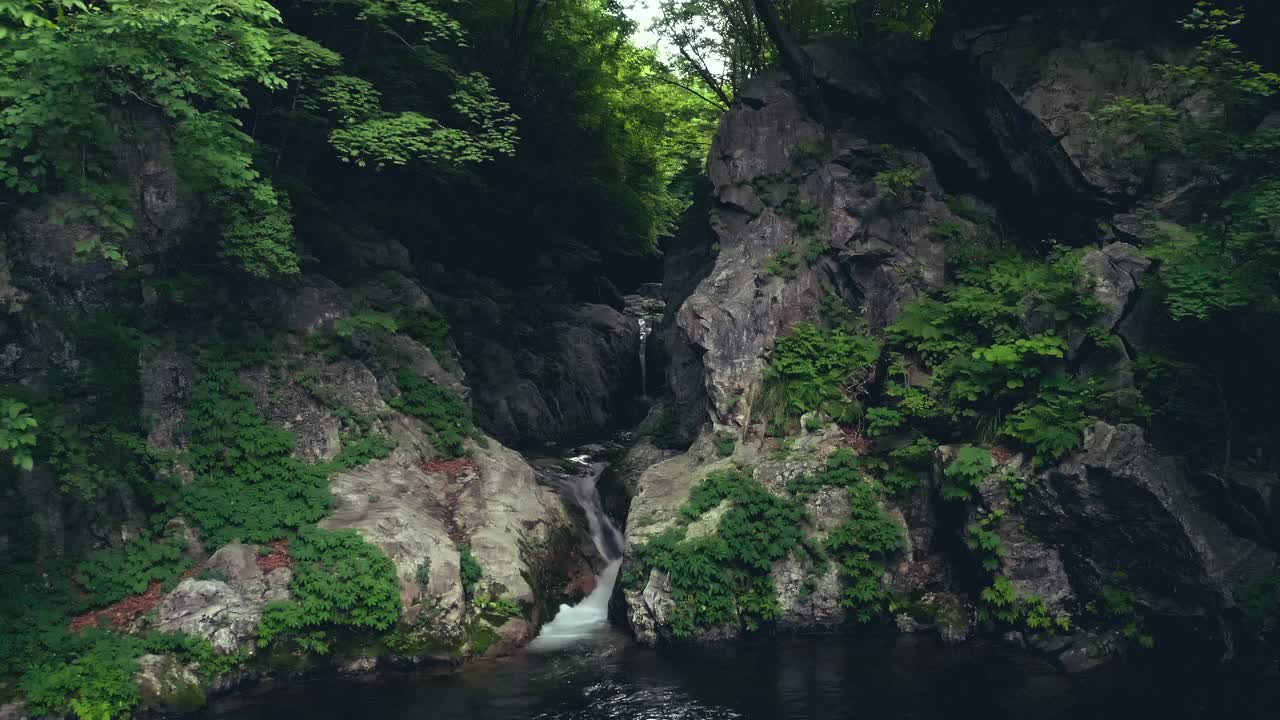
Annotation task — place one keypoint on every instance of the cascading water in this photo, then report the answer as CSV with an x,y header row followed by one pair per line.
x,y
644,347
586,620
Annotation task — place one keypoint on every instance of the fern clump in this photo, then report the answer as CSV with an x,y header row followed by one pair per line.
x,y
340,582
723,579
989,377
111,575
816,369
247,483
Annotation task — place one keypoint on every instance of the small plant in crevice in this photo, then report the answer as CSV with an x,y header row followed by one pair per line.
x,y
901,183
966,473
726,442
984,541
1118,606
664,428
470,570
969,209
783,263
815,249
17,433
1000,604
423,574
427,326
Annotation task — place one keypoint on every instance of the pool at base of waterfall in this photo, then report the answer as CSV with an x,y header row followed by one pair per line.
x,y
813,678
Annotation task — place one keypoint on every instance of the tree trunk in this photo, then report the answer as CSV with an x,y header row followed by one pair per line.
x,y
795,60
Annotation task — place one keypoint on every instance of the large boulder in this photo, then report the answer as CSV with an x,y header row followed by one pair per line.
x,y
1118,507
224,612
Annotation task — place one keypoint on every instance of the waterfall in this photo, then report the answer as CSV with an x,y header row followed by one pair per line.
x,y
644,345
575,623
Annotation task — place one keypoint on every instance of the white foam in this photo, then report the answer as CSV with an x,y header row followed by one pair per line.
x,y
584,621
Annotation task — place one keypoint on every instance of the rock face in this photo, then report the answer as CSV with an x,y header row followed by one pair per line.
x,y
544,371
864,209
784,190
1118,504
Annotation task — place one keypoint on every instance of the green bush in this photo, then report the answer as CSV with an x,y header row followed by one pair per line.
x,y
470,570
111,575
1118,606
17,432
966,473
247,484
989,376
427,326
783,263
725,443
898,183
723,579
443,412
860,546
340,582
815,369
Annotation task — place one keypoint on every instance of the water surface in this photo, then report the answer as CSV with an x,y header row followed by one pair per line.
x,y
793,679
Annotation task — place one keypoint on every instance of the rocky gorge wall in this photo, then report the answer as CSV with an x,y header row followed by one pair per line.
x,y
328,362
993,124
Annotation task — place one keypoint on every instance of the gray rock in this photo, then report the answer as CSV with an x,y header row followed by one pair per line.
x,y
167,378
1118,505
575,375
1034,567
237,562
166,684
1115,271
225,613
419,513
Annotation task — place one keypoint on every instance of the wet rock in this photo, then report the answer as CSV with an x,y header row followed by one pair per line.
x,y
576,374
167,685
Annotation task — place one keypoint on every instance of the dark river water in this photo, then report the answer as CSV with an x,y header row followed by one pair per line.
x,y
802,678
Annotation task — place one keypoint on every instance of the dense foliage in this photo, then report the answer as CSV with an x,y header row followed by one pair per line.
x,y
721,579
341,582
248,484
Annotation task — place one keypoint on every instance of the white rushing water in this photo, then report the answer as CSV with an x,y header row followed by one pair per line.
x,y
587,619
